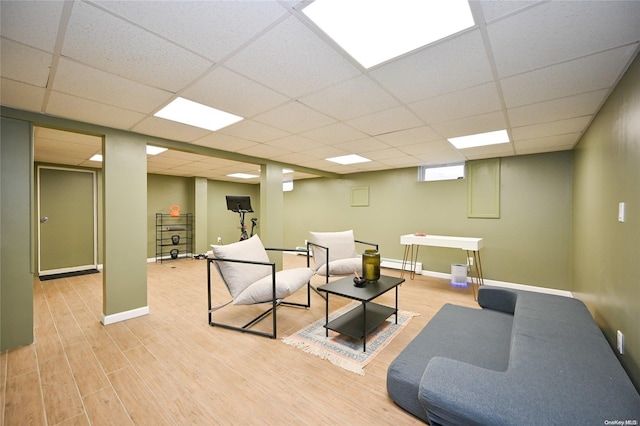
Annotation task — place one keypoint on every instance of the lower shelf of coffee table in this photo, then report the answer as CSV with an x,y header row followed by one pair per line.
x,y
352,323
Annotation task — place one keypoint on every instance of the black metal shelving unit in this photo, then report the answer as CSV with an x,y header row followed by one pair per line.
x,y
174,236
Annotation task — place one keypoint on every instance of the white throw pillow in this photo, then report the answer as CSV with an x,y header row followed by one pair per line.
x,y
238,276
341,245
342,267
287,282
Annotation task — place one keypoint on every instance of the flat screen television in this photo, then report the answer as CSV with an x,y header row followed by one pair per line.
x,y
239,203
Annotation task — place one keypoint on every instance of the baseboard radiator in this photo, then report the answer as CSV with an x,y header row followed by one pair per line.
x,y
397,264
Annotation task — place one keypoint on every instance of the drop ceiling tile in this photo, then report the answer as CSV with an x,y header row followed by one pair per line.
x,y
264,151
433,148
463,103
253,131
493,10
403,162
294,117
292,60
391,120
586,74
322,152
24,64
440,158
560,127
549,143
553,32
224,142
106,42
55,135
410,136
34,23
229,91
362,146
490,151
22,96
191,169
385,154
471,125
213,29
293,143
349,99
79,109
557,109
451,65
168,129
73,155
295,158
165,162
80,80
334,134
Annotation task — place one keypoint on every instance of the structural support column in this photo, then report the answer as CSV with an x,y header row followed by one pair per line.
x,y
200,213
272,210
16,236
125,222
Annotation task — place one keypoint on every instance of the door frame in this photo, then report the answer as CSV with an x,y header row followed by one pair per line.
x,y
95,221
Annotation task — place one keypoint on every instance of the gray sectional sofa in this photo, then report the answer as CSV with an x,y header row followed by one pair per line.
x,y
525,358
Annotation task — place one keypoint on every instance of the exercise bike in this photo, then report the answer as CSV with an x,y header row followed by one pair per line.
x,y
241,204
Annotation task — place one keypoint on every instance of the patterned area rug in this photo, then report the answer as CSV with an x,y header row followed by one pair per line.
x,y
344,351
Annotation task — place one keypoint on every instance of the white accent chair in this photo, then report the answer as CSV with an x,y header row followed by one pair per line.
x,y
340,249
251,278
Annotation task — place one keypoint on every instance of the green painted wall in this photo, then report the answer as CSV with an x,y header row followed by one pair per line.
x,y
528,244
607,172
16,241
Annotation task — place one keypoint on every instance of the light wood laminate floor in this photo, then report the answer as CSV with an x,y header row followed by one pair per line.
x,y
171,368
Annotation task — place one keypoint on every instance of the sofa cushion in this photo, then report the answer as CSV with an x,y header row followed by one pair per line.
x,y
474,336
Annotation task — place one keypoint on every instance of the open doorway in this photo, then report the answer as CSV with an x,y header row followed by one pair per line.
x,y
66,201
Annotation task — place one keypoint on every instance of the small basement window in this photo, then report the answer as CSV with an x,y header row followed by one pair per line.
x,y
446,172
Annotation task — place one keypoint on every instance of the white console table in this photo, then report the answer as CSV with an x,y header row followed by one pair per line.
x,y
472,246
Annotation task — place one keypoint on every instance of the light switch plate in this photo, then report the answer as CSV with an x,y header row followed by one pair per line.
x,y
621,207
620,339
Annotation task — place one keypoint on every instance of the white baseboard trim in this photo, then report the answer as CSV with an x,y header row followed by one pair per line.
x,y
126,315
504,284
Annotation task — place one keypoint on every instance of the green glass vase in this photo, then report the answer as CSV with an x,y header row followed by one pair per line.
x,y
371,265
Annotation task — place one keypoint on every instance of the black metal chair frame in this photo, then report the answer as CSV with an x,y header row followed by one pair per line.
x,y
326,249
274,302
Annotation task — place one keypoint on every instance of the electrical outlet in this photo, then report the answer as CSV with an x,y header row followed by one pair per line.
x,y
620,342
470,261
219,240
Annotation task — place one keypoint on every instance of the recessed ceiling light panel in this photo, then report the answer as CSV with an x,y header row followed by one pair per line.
x,y
374,31
243,175
155,150
194,114
348,159
480,139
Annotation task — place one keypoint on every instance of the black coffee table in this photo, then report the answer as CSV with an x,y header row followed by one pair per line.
x,y
361,320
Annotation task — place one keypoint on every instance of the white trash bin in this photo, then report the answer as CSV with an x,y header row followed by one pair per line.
x,y
458,274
